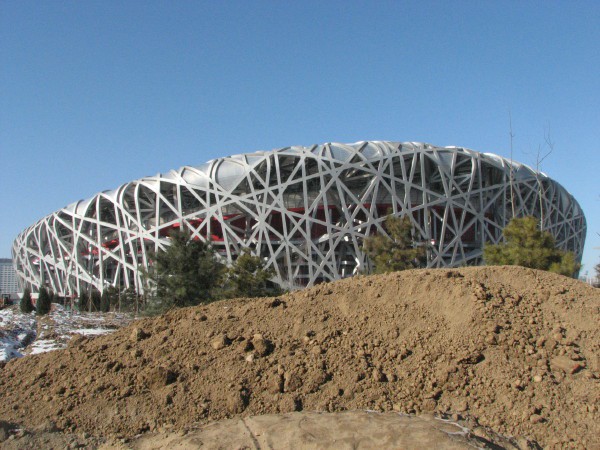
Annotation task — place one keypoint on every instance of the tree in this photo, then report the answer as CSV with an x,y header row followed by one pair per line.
x,y
105,301
43,303
112,294
130,300
597,282
527,246
83,301
26,305
95,300
399,251
511,169
184,274
248,277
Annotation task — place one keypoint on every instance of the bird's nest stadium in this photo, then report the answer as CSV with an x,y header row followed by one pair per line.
x,y
304,210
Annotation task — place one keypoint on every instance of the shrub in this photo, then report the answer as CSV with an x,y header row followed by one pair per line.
x,y
43,303
399,251
105,301
186,273
247,277
26,304
527,246
83,304
95,300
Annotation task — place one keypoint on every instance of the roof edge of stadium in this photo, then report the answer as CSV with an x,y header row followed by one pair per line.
x,y
314,149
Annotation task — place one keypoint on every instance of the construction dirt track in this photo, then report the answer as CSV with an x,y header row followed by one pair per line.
x,y
502,350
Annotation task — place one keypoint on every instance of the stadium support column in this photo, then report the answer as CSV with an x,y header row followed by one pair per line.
x,y
99,244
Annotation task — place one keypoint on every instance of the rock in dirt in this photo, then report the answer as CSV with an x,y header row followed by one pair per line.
x,y
262,346
566,364
137,334
221,342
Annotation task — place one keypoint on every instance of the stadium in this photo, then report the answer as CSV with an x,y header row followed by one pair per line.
x,y
304,210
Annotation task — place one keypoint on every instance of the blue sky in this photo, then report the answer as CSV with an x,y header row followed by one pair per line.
x,y
94,94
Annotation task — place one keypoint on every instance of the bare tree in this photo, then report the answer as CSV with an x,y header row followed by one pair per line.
x,y
540,157
511,170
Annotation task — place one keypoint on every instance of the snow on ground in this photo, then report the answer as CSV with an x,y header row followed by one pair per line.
x,y
17,330
25,334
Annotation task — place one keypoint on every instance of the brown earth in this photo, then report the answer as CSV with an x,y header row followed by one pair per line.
x,y
507,349
347,430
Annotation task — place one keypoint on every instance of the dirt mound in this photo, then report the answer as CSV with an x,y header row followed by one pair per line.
x,y
509,349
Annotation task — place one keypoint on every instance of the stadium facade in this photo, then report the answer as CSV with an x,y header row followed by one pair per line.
x,y
304,210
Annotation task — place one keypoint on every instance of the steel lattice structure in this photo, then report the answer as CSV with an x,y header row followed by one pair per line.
x,y
305,210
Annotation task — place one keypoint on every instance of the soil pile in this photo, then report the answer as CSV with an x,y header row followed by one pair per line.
x,y
507,349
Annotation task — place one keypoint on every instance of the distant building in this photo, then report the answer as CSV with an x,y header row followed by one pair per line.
x,y
8,279
590,279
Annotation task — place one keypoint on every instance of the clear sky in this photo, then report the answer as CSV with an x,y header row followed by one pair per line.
x,y
94,94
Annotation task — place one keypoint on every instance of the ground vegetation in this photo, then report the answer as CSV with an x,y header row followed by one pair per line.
x,y
26,304
186,273
248,277
43,303
398,250
527,246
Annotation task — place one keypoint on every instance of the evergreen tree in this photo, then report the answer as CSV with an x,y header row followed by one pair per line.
x,y
105,301
129,300
185,274
248,277
83,301
527,246
43,303
95,300
113,296
26,305
399,251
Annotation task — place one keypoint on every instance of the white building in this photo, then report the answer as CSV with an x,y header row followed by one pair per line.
x,y
8,279
304,210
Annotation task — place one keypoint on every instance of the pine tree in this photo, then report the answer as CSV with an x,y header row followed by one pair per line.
x,y
113,295
43,303
129,300
26,305
399,251
185,274
249,278
83,302
95,300
105,301
527,246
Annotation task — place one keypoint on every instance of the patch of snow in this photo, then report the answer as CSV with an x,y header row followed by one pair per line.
x,y
93,331
18,331
43,346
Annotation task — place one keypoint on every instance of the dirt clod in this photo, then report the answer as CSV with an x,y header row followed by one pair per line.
x,y
566,364
137,334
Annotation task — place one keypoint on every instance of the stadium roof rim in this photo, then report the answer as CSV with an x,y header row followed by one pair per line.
x,y
498,160
315,149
